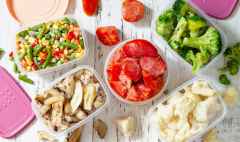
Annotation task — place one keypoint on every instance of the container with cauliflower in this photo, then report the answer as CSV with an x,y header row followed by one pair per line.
x,y
189,112
72,100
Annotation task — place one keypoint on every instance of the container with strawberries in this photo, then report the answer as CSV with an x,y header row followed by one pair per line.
x,y
135,72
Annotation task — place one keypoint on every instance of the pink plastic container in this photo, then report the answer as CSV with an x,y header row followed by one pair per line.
x,y
15,106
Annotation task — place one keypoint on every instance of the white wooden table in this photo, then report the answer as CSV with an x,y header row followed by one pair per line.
x,y
110,14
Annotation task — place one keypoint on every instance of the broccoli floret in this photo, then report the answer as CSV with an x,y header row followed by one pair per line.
x,y
210,41
224,79
166,24
233,53
196,25
177,37
197,60
233,67
182,8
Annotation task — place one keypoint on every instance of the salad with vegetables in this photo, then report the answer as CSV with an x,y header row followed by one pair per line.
x,y
189,34
49,44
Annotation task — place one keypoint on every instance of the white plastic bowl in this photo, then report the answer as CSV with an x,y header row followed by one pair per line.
x,y
89,117
200,13
57,67
220,116
119,97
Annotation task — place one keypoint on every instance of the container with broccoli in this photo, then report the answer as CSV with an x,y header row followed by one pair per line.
x,y
188,34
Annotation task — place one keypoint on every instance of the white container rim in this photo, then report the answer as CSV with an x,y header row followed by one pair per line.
x,y
209,21
89,117
213,85
120,45
57,67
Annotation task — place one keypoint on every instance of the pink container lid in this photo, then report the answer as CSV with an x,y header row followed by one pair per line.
x,y
217,8
15,106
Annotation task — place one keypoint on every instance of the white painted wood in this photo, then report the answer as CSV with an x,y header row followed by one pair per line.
x,y
110,14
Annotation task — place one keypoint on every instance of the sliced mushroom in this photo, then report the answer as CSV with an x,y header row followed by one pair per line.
x,y
99,101
77,97
89,96
101,128
71,119
81,114
126,125
57,114
44,109
67,108
75,136
67,86
53,100
45,136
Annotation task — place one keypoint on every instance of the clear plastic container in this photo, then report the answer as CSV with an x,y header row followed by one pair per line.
x,y
220,116
58,67
160,52
200,13
89,117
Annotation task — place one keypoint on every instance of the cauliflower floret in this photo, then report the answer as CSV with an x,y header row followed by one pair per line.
x,y
202,88
165,112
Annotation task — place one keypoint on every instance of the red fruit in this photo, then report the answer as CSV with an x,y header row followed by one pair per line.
x,y
155,66
155,84
144,91
90,6
108,35
132,10
133,95
132,69
119,88
114,71
139,48
126,81
71,35
118,56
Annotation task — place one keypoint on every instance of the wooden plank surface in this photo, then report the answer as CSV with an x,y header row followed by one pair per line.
x,y
110,14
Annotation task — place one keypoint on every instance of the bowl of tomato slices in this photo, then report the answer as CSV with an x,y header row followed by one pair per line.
x,y
136,72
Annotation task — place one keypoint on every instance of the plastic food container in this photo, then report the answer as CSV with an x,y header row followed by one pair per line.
x,y
85,120
220,116
160,52
61,66
200,13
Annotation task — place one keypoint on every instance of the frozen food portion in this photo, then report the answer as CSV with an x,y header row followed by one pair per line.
x,y
60,110
187,112
49,44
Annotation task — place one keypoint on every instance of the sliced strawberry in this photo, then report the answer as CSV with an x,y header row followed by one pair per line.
x,y
154,65
155,84
144,91
132,69
119,88
108,35
125,80
114,71
139,48
118,56
133,95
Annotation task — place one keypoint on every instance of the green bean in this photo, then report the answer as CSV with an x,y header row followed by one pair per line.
x,y
69,44
25,79
30,52
37,49
48,59
15,68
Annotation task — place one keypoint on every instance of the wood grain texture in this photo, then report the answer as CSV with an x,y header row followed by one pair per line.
x,y
109,13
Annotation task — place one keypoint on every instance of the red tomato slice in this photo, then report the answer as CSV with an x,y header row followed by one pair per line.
x,y
155,84
114,71
71,35
132,10
125,80
118,56
133,95
119,88
153,65
139,48
132,69
90,6
108,35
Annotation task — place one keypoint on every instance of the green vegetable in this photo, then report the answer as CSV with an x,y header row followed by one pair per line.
x,y
182,8
233,67
210,41
233,53
81,42
48,59
15,68
177,37
30,52
25,79
224,79
196,25
23,33
68,44
166,24
37,49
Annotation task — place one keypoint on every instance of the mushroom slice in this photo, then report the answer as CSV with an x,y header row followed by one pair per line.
x,y
57,113
53,100
44,109
101,128
75,136
90,94
67,108
81,114
67,86
54,92
71,119
77,97
126,125
99,101
45,136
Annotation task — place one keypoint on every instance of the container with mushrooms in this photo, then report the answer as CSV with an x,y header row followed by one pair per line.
x,y
73,99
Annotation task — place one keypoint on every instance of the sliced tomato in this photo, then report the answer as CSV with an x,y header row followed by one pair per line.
x,y
125,80
108,35
90,6
58,54
145,91
132,69
119,88
118,56
71,35
132,10
155,84
133,95
114,71
154,65
139,48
